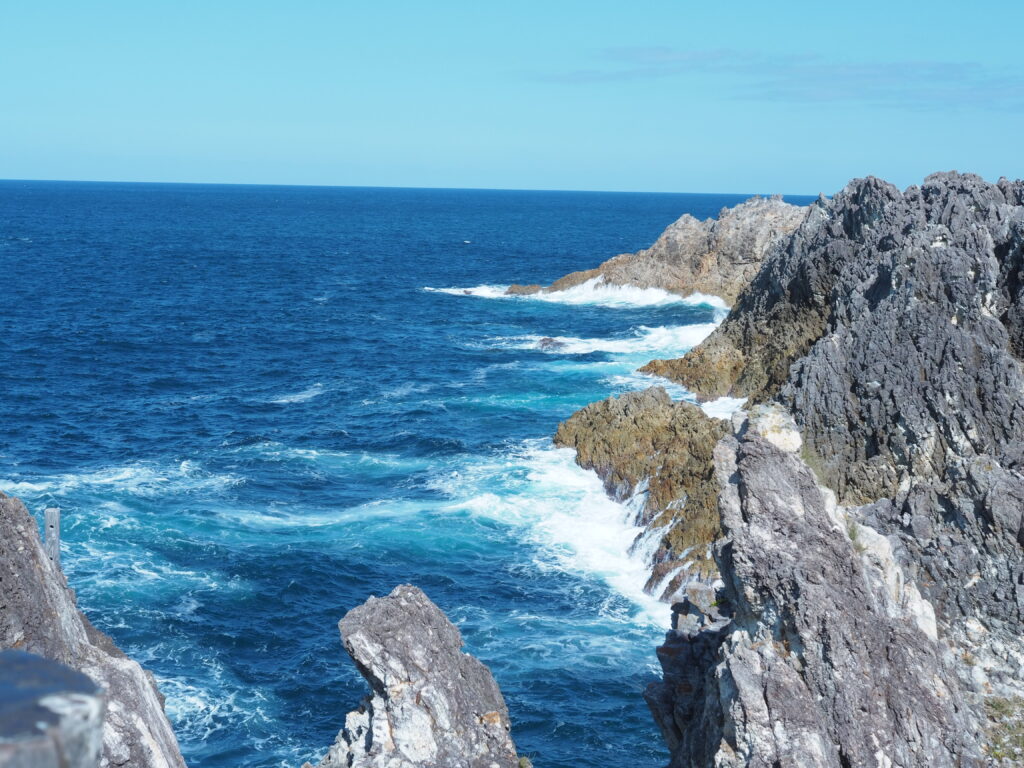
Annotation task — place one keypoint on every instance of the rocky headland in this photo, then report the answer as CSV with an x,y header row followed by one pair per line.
x,y
715,256
870,602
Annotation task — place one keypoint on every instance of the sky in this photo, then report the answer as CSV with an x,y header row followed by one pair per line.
x,y
674,96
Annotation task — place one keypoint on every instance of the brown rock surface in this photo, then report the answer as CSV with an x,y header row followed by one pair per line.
x,y
645,440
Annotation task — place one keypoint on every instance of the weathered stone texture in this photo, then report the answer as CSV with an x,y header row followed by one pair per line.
x,y
644,442
431,705
818,650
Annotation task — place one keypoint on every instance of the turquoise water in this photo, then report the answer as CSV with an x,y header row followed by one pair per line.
x,y
259,405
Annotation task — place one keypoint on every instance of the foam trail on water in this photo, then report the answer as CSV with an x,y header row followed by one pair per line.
x,y
300,397
143,479
593,292
564,510
676,339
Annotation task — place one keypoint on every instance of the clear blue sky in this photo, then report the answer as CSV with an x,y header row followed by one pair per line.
x,y
794,97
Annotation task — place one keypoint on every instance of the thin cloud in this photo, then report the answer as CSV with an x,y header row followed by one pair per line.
x,y
753,75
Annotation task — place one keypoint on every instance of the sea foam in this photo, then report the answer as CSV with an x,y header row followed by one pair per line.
x,y
670,339
565,511
595,292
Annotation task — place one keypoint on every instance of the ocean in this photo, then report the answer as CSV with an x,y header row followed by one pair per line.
x,y
257,406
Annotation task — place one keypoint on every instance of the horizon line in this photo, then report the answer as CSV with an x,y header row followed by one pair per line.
x,y
374,186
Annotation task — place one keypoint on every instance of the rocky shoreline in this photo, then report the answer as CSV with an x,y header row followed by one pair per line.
x,y
844,558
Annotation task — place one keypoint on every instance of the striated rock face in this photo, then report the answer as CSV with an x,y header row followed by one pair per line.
x,y
643,443
431,705
716,256
819,651
888,327
38,615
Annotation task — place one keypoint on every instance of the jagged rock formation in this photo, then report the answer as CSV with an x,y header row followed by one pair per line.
x,y
642,442
38,615
431,705
889,326
715,256
819,651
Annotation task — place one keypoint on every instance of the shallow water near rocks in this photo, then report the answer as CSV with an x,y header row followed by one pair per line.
x,y
254,414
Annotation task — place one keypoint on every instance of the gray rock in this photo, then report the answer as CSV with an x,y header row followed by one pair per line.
x,y
39,616
827,656
50,715
431,705
890,327
715,256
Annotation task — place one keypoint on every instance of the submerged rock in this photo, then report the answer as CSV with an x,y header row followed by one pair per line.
x,y
431,705
549,344
715,256
38,615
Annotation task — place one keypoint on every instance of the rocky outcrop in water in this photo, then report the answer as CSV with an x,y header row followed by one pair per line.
x,y
644,443
430,705
715,256
38,615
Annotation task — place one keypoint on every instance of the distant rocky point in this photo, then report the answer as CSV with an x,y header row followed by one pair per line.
x,y
715,256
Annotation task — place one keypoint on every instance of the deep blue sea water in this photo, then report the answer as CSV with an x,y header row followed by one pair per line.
x,y
254,416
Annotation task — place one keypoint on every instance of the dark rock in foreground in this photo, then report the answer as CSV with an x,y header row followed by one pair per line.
x,y
50,715
431,705
38,614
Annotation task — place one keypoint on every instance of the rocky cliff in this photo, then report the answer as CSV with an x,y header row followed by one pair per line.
x,y
430,704
715,256
871,554
38,615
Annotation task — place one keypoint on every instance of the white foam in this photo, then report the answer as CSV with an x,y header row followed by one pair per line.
x,y
698,299
723,407
481,291
564,509
300,397
141,479
631,382
593,292
671,339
